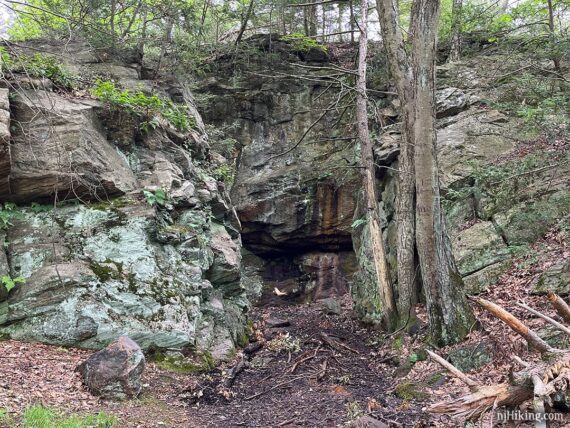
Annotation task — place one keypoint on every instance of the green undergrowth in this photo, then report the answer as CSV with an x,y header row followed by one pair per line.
x,y
302,43
197,363
144,106
45,417
38,66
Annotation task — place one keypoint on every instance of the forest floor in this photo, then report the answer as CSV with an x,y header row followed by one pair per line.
x,y
314,370
319,370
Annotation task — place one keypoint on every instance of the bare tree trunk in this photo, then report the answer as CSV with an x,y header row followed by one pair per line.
x,y
142,39
112,19
312,20
340,11
555,58
449,314
167,39
351,5
378,250
405,215
324,22
245,21
455,50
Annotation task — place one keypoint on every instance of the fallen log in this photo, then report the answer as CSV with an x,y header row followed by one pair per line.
x,y
560,306
453,370
514,323
540,382
545,318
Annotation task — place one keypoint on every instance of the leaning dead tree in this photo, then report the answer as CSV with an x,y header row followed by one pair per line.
x,y
545,383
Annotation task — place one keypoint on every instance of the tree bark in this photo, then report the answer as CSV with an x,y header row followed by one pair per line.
x,y
560,305
369,179
405,215
245,21
555,58
455,50
351,5
449,314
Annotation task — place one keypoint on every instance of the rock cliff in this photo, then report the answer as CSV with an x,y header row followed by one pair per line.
x,y
99,252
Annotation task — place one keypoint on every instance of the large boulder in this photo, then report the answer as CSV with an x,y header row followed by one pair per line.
x,y
116,371
58,147
450,101
478,247
555,278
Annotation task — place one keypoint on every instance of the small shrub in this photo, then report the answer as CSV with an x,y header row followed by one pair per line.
x,y
224,173
10,282
144,106
158,197
7,213
41,66
302,43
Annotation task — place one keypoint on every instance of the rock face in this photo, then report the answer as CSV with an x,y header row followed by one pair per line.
x,y
555,278
59,147
298,198
5,164
116,371
295,205
112,261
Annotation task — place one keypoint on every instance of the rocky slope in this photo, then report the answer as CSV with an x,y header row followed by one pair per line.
x,y
112,261
173,273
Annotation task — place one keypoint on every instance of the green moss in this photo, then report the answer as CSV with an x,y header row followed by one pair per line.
x,y
198,363
435,378
409,391
397,344
111,204
105,272
243,339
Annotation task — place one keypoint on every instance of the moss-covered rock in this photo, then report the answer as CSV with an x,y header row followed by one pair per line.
x,y
555,278
410,391
471,357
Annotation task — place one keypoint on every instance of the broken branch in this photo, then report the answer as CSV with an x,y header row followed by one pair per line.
x,y
453,370
514,323
545,318
560,305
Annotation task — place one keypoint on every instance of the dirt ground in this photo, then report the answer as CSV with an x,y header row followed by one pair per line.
x,y
319,371
314,370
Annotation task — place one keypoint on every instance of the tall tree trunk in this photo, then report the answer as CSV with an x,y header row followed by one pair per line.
x,y
455,50
166,41
555,58
245,21
313,20
340,6
369,179
449,313
142,38
405,214
351,4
